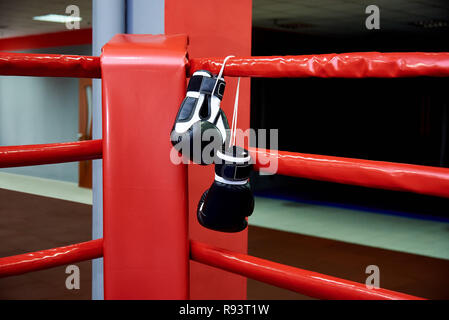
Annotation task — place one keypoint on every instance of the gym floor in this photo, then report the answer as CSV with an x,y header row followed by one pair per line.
x,y
412,254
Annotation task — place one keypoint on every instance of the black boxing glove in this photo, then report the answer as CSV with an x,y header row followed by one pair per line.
x,y
200,120
226,204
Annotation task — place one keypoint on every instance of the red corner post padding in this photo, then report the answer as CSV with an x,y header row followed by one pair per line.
x,y
144,194
215,28
49,65
343,65
367,173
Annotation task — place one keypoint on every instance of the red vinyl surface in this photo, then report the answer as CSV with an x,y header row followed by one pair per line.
x,y
306,282
373,174
45,40
49,65
211,33
344,65
30,155
144,194
45,259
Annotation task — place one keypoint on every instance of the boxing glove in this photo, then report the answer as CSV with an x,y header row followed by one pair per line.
x,y
226,204
200,120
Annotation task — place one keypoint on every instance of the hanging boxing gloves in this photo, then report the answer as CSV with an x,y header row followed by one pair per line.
x,y
200,133
227,203
201,124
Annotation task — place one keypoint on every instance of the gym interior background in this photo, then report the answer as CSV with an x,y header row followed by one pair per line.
x,y
329,228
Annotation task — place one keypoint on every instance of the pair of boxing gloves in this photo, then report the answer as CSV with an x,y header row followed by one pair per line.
x,y
201,134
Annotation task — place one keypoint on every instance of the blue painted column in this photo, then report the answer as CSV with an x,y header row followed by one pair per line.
x,y
108,19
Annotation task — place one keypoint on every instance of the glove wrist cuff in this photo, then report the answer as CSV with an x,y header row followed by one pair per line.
x,y
233,182
205,85
234,165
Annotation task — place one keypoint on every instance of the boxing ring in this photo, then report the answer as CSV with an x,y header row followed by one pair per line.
x,y
139,182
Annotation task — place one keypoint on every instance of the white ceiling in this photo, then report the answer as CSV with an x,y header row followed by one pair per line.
x,y
305,16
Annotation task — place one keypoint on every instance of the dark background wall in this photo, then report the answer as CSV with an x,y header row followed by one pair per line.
x,y
398,120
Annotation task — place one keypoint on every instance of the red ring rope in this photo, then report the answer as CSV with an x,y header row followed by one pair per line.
x,y
30,155
49,65
343,65
306,282
367,173
44,259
